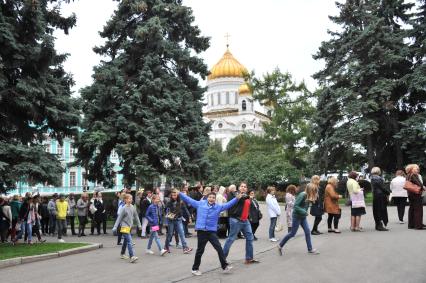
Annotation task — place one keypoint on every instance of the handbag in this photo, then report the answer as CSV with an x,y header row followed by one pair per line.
x,y
125,230
279,226
170,216
155,228
358,200
412,188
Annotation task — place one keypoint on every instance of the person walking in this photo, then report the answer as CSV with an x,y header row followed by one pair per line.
x,y
174,217
208,213
317,206
238,220
152,214
82,213
331,205
415,212
290,198
380,199
254,215
15,206
44,213
144,204
5,220
61,216
300,213
399,195
71,213
274,211
356,195
125,219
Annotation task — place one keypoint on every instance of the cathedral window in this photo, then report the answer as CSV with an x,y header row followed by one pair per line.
x,y
243,126
227,97
236,97
244,105
218,98
220,125
211,99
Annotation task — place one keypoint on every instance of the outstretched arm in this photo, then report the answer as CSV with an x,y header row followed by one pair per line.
x,y
230,204
189,200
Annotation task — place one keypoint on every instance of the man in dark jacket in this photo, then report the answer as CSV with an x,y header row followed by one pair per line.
x,y
239,221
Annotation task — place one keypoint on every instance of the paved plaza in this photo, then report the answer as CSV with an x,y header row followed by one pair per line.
x,y
395,256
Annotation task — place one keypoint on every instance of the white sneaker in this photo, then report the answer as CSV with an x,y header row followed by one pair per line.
x,y
124,257
196,272
273,240
133,259
227,269
401,222
61,241
163,252
314,252
149,252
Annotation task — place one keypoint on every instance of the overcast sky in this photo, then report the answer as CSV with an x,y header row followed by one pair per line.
x,y
264,34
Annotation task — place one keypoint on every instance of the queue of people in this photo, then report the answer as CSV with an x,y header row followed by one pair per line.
x,y
229,213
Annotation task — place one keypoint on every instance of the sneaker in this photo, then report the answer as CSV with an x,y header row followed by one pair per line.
x,y
196,272
280,250
61,241
178,246
273,240
251,261
337,231
187,250
401,222
149,252
163,252
133,259
315,233
314,252
227,269
124,257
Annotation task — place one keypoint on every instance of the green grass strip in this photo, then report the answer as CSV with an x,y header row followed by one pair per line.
x,y
8,251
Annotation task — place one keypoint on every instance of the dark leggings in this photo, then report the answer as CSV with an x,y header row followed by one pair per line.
x,y
316,223
330,219
400,203
254,227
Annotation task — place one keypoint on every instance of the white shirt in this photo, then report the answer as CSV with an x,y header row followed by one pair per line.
x,y
274,209
397,187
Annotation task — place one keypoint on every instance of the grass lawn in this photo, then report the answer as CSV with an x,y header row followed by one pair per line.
x,y
8,251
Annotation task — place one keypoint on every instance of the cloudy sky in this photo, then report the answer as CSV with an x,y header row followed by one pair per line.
x,y
264,34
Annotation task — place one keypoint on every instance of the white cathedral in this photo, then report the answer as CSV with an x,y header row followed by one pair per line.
x,y
229,104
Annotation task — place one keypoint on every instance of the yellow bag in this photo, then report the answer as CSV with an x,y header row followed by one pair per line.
x,y
125,230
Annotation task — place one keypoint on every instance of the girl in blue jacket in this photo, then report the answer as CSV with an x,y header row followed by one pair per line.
x,y
208,213
153,216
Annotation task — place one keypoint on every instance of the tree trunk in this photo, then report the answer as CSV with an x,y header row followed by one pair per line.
x,y
370,152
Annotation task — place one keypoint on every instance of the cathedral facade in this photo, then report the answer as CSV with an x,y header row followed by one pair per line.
x,y
229,104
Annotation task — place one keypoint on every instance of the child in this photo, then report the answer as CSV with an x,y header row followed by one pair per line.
x,y
206,226
152,214
299,217
289,204
125,220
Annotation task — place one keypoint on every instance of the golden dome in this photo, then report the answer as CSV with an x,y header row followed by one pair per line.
x,y
227,66
244,89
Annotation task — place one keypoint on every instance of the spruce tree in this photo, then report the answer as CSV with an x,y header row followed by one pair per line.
x,y
366,62
145,101
35,94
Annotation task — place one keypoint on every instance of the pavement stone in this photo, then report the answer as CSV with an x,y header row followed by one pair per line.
x,y
371,256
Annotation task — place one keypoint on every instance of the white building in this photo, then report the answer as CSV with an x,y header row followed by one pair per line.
x,y
229,104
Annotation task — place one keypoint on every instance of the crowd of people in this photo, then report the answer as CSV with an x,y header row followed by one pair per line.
x,y
218,212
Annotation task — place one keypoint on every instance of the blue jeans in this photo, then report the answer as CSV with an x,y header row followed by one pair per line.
x,y
235,227
154,236
295,226
26,228
272,227
175,224
127,243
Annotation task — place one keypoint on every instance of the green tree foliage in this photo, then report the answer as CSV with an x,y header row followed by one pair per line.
x,y
145,101
368,84
35,95
250,158
292,111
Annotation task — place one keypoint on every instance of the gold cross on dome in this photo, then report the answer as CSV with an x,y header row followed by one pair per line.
x,y
227,36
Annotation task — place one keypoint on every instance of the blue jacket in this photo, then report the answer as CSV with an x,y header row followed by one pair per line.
x,y
152,215
207,215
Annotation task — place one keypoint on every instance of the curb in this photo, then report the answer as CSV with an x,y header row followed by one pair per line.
x,y
28,259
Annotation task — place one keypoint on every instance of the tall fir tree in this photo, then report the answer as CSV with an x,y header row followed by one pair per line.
x,y
145,101
35,91
366,63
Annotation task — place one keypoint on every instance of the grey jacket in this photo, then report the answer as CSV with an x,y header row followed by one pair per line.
x,y
126,217
82,207
51,207
71,207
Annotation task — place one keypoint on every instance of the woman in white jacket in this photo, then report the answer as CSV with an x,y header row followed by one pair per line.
x,y
274,211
